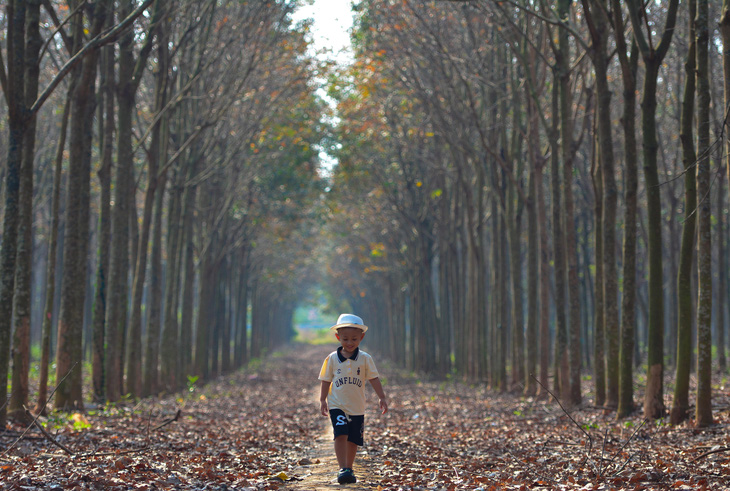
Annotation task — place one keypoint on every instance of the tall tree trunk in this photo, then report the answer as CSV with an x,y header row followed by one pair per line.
x,y
76,240
16,127
242,309
47,328
169,370
653,55
24,252
572,392
599,338
599,27
544,315
107,89
685,300
151,376
703,413
533,251
186,321
721,270
562,355
119,259
157,153
629,67
725,34
514,228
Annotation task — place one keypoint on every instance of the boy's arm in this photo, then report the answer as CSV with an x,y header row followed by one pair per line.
x,y
375,382
323,391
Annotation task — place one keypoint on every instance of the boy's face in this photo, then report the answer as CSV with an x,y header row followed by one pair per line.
x,y
350,338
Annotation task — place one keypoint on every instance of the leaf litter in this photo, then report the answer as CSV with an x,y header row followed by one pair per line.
x,y
260,429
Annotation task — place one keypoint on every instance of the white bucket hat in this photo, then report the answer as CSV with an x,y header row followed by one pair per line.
x,y
349,320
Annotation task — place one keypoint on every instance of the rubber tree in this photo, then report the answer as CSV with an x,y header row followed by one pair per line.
x,y
652,54
685,302
628,58
703,409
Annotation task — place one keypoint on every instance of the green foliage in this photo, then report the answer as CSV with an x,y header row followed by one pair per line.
x,y
192,379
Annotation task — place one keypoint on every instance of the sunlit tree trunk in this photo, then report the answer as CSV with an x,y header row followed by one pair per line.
x,y
76,238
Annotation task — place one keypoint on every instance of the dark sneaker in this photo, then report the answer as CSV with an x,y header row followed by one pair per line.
x,y
346,476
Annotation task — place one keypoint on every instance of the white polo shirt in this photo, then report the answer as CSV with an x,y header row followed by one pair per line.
x,y
348,377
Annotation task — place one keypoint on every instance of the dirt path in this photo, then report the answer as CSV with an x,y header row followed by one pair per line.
x,y
322,472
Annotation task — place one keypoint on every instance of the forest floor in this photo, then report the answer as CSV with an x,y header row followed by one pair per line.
x,y
260,428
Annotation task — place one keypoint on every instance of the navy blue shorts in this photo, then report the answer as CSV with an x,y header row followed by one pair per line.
x,y
352,426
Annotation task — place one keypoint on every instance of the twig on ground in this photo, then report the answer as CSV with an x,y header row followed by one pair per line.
x,y
710,452
625,444
590,440
35,418
168,421
48,435
603,451
625,463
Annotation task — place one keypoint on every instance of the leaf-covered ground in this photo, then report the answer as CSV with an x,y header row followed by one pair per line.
x,y
260,429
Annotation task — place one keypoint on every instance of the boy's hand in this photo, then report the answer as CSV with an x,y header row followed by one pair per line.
x,y
383,406
323,408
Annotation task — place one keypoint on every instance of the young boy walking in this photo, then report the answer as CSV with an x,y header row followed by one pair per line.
x,y
342,394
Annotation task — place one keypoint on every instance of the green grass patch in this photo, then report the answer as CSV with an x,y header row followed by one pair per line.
x,y
315,336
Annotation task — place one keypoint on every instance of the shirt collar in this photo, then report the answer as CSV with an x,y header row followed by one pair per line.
x,y
342,358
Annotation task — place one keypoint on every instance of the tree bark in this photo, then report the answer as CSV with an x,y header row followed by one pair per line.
x,y
24,251
685,300
16,128
47,328
157,153
107,119
599,27
653,58
119,259
721,270
629,67
76,240
703,413
599,338
151,374
562,355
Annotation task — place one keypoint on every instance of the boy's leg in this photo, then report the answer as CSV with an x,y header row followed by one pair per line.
x,y
351,451
342,451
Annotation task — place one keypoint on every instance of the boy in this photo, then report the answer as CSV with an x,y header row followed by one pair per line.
x,y
342,394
